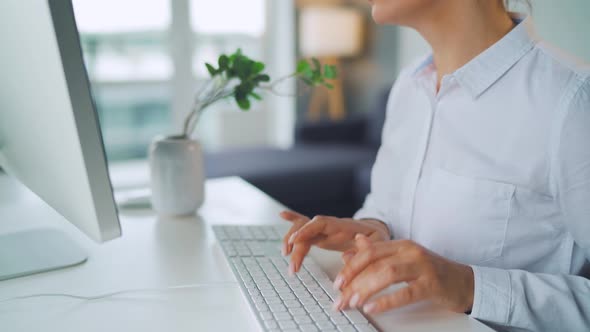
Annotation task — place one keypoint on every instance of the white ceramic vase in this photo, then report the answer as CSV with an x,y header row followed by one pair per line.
x,y
177,175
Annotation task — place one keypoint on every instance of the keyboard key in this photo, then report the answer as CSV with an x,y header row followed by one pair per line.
x,y
355,317
292,304
365,328
273,300
271,324
279,316
298,311
326,304
325,324
287,324
302,319
344,328
258,300
318,316
313,308
277,308
283,290
340,320
308,328
307,301
262,307
266,315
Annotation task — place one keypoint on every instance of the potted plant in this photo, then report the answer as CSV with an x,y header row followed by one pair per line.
x,y
176,162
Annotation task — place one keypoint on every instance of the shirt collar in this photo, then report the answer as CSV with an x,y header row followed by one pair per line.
x,y
485,69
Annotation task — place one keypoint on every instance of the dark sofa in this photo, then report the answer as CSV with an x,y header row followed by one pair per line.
x,y
327,171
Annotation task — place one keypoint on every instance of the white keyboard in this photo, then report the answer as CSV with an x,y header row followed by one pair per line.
x,y
283,303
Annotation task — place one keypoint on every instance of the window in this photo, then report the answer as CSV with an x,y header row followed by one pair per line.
x,y
223,26
145,58
228,17
127,58
219,30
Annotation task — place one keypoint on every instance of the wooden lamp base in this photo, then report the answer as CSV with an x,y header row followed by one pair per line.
x,y
334,98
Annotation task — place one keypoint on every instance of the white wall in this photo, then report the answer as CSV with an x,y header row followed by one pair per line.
x,y
564,23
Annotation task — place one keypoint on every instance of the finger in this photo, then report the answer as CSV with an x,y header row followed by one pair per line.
x,y
413,293
287,239
335,241
376,277
362,241
367,253
292,216
310,230
298,221
287,245
375,237
348,254
300,250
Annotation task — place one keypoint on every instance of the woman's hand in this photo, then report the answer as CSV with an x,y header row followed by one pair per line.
x,y
328,233
375,266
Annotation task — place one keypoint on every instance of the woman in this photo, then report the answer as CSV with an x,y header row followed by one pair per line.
x,y
480,194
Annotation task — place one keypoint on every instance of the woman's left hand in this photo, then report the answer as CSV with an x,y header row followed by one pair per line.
x,y
376,266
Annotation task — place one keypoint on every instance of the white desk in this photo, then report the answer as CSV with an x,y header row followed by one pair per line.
x,y
155,253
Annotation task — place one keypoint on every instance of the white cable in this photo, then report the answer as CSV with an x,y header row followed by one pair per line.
x,y
127,291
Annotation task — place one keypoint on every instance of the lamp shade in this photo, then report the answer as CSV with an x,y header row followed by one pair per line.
x,y
330,31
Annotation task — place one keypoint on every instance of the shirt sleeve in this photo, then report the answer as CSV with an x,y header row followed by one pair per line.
x,y
516,300
370,210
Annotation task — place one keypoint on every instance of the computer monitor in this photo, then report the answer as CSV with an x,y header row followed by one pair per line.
x,y
50,138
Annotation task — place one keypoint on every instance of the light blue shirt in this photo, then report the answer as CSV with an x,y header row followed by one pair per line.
x,y
493,171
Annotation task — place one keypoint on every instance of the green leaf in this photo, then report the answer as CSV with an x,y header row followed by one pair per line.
x,y
211,69
247,87
329,86
255,96
243,103
303,66
223,62
258,67
308,73
241,67
262,78
236,54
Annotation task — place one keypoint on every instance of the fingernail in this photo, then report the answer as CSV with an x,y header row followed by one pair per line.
x,y
338,282
369,307
357,236
291,269
284,249
292,238
337,303
354,300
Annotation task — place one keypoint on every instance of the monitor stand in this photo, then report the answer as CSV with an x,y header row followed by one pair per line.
x,y
37,250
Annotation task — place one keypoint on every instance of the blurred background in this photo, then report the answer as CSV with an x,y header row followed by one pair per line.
x,y
145,59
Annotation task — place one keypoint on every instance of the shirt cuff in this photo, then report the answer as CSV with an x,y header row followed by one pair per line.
x,y
492,295
363,214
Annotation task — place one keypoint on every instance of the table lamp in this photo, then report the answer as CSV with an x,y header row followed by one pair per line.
x,y
330,33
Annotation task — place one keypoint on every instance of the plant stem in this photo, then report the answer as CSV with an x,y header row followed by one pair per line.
x,y
194,108
222,94
202,102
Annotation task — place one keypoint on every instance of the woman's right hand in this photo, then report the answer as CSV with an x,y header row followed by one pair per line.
x,y
326,232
